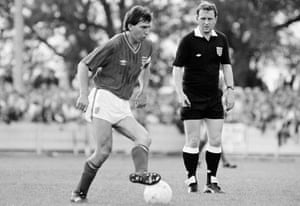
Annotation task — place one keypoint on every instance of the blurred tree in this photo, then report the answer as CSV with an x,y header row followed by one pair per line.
x,y
253,29
72,28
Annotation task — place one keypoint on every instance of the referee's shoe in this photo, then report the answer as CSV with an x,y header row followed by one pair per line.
x,y
192,184
212,188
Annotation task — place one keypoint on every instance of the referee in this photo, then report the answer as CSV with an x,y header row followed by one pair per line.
x,y
199,57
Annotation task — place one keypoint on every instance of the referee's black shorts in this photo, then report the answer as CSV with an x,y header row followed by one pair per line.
x,y
211,108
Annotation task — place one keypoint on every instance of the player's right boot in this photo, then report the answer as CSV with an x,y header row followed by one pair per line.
x,y
78,197
192,184
146,178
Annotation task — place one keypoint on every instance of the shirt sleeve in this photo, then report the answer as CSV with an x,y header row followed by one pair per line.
x,y
181,54
148,60
99,57
225,56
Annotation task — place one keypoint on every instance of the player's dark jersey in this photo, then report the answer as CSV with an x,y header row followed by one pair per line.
x,y
121,64
201,59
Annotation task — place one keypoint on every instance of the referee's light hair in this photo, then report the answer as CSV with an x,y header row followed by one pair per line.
x,y
207,6
135,15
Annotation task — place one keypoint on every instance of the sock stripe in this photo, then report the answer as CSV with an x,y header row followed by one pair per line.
x,y
143,147
214,149
190,150
92,165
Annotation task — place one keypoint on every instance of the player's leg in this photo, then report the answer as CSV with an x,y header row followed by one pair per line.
x,y
190,152
140,152
213,154
102,132
202,143
203,136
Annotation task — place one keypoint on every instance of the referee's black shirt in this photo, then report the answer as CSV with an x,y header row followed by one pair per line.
x,y
201,59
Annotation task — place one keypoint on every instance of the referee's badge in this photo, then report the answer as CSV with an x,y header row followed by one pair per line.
x,y
219,51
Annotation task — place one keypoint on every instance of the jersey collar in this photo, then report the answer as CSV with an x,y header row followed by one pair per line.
x,y
134,50
197,32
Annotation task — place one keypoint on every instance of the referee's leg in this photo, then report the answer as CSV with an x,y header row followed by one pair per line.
x,y
213,154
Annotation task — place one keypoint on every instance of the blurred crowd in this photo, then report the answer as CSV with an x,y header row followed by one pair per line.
x,y
45,101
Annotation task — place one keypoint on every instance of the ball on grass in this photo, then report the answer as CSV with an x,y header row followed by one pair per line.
x,y
160,193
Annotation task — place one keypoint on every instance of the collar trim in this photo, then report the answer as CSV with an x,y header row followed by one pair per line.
x,y
197,33
134,50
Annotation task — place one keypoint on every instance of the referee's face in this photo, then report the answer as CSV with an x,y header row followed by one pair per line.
x,y
140,31
206,20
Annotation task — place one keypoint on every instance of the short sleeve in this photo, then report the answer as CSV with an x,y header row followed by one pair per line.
x,y
225,56
148,51
99,57
181,53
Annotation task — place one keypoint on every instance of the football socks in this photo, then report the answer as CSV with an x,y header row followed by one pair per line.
x,y
88,175
212,158
140,155
190,160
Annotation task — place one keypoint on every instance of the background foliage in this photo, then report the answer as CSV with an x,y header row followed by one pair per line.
x,y
258,32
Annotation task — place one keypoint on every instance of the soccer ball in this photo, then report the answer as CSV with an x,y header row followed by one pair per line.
x,y
160,193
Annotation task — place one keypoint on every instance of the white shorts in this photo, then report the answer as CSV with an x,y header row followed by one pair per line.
x,y
105,105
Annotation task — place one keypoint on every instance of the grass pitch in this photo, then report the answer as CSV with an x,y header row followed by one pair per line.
x,y
27,179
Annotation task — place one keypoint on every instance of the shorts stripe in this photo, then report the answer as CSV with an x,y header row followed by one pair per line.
x,y
93,103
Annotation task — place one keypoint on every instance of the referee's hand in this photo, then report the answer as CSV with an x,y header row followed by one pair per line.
x,y
184,100
82,103
229,100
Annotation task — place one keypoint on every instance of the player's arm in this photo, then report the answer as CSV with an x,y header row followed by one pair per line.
x,y
144,79
83,77
177,78
228,78
145,75
141,98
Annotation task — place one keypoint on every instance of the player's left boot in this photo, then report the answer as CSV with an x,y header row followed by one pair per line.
x,y
78,197
192,184
146,178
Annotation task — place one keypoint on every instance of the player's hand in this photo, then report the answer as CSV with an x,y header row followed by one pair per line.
x,y
229,100
141,100
82,102
184,100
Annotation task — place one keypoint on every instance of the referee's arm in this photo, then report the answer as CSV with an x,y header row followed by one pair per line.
x,y
228,76
177,78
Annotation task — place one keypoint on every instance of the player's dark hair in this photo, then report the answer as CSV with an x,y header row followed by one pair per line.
x,y
207,6
135,15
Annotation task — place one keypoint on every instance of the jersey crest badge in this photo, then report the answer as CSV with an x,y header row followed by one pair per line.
x,y
219,51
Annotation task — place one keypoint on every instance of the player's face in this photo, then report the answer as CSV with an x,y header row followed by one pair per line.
x,y
206,20
140,31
